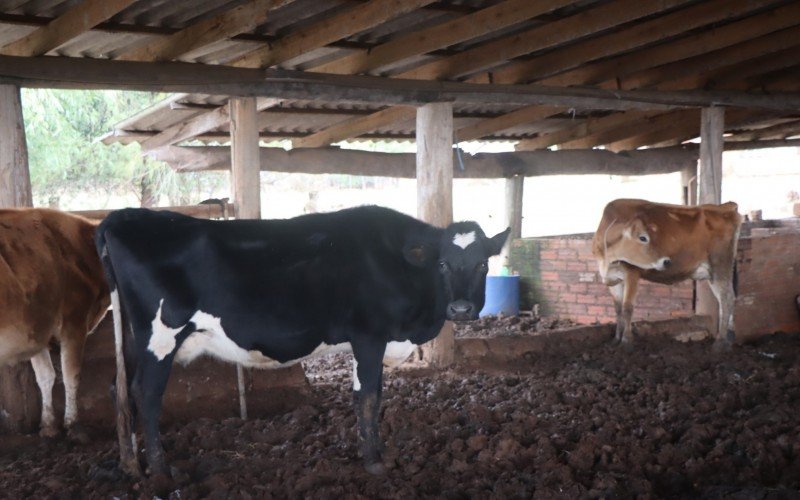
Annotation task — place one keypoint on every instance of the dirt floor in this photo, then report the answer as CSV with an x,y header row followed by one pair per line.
x,y
666,419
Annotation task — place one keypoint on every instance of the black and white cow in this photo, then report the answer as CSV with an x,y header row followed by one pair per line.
x,y
269,293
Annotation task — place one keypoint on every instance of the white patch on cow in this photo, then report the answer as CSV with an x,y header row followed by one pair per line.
x,y
356,382
162,341
464,240
210,338
674,216
703,272
397,352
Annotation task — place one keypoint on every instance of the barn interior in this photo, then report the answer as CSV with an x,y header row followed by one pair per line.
x,y
616,87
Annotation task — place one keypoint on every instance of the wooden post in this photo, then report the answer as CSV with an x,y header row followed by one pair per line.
x,y
513,214
246,187
712,126
245,160
435,194
689,185
19,400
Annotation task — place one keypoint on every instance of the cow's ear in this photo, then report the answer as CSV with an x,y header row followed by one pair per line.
x,y
496,242
421,249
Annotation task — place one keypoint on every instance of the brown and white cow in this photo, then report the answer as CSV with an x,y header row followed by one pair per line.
x,y
667,244
52,288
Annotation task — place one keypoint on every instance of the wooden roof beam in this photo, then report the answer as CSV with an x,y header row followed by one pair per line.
x,y
223,26
701,43
636,36
353,20
442,35
75,21
403,165
683,129
565,30
356,126
520,116
199,124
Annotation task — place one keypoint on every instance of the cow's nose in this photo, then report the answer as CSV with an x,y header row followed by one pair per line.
x,y
460,310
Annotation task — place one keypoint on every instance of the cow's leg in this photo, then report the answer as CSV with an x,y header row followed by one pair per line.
x,y
71,357
45,378
148,387
617,292
367,387
722,287
628,298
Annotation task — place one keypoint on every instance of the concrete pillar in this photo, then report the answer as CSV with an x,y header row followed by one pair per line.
x,y
712,126
435,194
19,394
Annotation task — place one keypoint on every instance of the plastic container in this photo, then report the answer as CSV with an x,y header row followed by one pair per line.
x,y
502,296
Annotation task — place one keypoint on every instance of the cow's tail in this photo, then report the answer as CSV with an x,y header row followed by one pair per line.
x,y
126,438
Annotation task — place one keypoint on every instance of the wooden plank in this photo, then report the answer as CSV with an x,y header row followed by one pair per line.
x,y
442,35
550,35
245,160
199,124
356,126
358,18
80,73
15,181
434,161
521,116
686,47
75,21
618,42
403,165
225,25
582,129
205,211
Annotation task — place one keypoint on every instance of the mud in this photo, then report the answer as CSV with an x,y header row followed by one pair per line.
x,y
666,419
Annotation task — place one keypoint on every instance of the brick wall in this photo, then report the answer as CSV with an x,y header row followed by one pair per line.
x,y
560,274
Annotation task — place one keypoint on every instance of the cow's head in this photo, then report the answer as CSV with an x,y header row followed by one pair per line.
x,y
635,242
460,263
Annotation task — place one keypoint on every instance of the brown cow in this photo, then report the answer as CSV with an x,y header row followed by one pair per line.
x,y
52,287
667,244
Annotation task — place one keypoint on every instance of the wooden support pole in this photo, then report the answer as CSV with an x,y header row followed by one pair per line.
x,y
19,400
712,126
513,214
245,161
435,194
246,186
689,185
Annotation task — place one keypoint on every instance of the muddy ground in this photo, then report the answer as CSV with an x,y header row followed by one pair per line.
x,y
666,419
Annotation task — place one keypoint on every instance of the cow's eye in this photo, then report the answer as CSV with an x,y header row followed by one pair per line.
x,y
443,267
483,266
643,238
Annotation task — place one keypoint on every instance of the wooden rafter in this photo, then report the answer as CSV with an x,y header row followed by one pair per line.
x,y
441,35
77,20
679,129
199,124
353,20
225,25
489,126
618,42
552,34
701,43
356,126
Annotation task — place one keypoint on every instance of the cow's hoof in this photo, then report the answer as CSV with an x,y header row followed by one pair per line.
x,y
49,431
375,468
626,344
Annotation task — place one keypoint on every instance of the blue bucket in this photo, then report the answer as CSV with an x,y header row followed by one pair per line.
x,y
502,296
